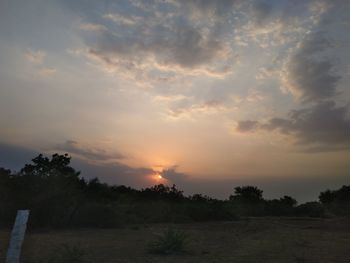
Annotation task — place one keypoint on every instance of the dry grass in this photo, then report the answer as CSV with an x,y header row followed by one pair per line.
x,y
254,240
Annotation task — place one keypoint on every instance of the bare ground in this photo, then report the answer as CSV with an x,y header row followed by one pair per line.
x,y
255,240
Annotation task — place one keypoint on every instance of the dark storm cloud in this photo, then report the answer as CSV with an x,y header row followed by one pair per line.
x,y
310,75
322,127
73,147
324,124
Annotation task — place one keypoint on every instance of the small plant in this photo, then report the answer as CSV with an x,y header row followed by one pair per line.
x,y
170,242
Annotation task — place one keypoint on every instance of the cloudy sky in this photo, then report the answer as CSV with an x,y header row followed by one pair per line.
x,y
208,94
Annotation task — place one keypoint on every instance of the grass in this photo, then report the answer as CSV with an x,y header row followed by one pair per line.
x,y
65,254
171,241
270,240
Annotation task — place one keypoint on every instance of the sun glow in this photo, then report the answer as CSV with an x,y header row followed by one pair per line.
x,y
157,177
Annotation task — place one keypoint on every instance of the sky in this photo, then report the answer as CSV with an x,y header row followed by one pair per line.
x,y
207,95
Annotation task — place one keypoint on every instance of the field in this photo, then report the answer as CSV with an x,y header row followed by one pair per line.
x,y
255,240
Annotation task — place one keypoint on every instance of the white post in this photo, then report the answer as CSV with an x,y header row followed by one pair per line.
x,y
17,236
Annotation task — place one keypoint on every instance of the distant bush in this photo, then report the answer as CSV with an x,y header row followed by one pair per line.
x,y
284,206
170,242
96,215
162,192
312,209
58,196
336,202
211,210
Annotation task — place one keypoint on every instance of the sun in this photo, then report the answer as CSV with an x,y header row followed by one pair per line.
x,y
158,177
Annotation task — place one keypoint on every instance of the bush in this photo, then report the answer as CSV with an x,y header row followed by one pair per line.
x,y
170,242
337,202
95,215
312,209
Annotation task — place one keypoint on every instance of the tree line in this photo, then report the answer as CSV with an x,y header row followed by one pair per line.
x,y
58,196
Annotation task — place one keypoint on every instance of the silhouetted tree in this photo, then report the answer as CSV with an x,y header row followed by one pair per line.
x,y
58,196
50,188
248,194
327,197
280,207
288,201
312,209
44,167
7,206
161,191
200,198
338,201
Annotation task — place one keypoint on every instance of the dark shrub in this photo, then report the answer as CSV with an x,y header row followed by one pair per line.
x,y
95,215
170,242
280,207
312,209
247,194
337,202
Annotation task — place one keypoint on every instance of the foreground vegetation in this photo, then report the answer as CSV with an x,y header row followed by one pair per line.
x,y
58,196
287,240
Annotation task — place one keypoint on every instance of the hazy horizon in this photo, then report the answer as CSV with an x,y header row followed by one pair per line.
x,y
208,94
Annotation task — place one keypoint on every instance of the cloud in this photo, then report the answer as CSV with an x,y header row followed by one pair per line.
x,y
47,71
184,47
246,126
308,75
115,173
187,110
273,24
173,176
138,40
216,10
324,124
322,127
92,27
36,57
261,11
74,148
122,19
169,98
15,157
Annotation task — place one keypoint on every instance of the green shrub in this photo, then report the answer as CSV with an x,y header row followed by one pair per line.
x,y
170,242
